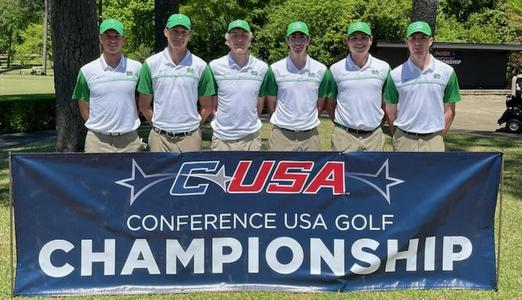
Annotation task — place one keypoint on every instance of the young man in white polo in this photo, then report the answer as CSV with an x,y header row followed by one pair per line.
x,y
354,100
239,79
296,91
106,95
171,84
420,95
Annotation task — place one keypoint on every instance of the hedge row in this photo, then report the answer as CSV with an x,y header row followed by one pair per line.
x,y
22,115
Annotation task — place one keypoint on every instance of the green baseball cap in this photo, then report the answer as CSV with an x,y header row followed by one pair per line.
x,y
359,27
239,24
179,19
297,27
418,26
111,24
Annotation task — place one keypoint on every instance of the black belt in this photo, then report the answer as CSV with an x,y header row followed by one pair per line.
x,y
297,131
352,130
415,133
173,134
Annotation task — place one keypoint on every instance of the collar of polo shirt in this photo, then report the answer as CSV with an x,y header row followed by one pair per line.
x,y
292,67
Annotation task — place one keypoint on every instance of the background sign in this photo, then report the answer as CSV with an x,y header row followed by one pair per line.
x,y
163,222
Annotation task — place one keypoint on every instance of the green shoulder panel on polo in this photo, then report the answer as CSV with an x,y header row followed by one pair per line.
x,y
391,94
81,90
332,85
325,82
263,87
145,81
452,91
206,85
271,84
214,80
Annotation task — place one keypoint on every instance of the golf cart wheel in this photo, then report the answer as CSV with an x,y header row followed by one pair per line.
x,y
513,125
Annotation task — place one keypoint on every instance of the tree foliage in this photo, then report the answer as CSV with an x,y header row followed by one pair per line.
x,y
15,15
328,23
137,17
210,19
31,44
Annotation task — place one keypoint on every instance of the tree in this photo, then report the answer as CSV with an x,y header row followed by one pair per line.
x,y
74,38
31,43
14,17
162,10
137,16
210,20
328,22
425,10
462,9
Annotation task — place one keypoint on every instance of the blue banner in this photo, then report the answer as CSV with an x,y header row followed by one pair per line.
x,y
221,221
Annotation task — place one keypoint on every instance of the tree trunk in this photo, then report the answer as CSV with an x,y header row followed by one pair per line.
x,y
425,10
75,43
162,11
9,47
44,41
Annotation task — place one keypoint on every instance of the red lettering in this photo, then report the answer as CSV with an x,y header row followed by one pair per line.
x,y
291,172
330,176
237,184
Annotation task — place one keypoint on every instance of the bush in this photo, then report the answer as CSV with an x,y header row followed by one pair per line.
x,y
26,115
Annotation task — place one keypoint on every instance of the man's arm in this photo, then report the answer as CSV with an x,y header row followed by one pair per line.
x,y
205,111
145,106
330,106
260,105
83,106
320,105
271,104
449,116
214,104
390,111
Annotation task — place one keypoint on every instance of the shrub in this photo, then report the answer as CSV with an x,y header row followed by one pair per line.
x,y
26,115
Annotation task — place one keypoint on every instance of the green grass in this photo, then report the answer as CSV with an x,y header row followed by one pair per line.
x,y
510,284
12,83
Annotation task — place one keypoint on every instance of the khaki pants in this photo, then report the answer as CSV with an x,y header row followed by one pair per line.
x,y
102,143
287,140
163,143
344,141
251,142
403,142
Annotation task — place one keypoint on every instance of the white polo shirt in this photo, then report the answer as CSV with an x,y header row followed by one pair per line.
x,y
238,89
358,92
420,95
297,91
111,93
176,89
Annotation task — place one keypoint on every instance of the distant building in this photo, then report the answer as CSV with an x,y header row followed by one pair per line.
x,y
478,66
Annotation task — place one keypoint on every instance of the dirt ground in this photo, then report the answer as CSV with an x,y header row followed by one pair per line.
x,y
479,110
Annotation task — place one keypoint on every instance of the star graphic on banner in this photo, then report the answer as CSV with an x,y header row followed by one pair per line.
x,y
383,175
219,178
139,182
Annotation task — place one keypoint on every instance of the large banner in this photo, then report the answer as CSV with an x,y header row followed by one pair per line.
x,y
221,221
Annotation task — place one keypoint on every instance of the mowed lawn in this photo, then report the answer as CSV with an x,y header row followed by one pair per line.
x,y
13,83
510,284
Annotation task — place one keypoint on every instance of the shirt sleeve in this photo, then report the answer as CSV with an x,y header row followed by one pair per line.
x,y
452,91
332,86
206,85
271,84
262,89
214,82
145,80
81,90
325,83
391,94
